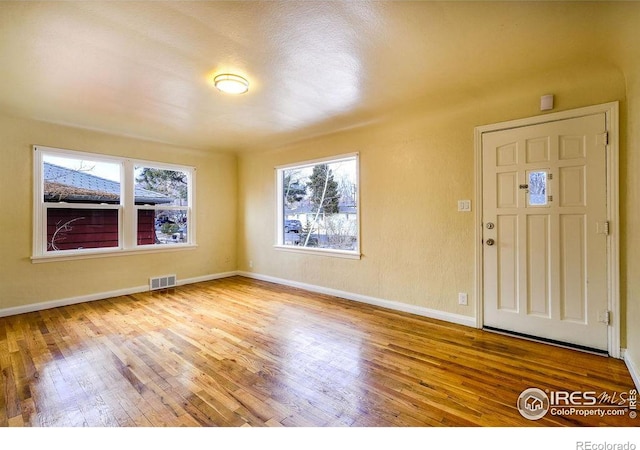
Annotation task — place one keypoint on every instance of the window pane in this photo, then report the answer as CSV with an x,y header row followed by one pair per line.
x,y
161,187
74,180
74,229
162,226
320,205
538,188
82,206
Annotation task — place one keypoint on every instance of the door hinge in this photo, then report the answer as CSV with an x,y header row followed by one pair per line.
x,y
604,317
550,176
606,228
550,198
605,138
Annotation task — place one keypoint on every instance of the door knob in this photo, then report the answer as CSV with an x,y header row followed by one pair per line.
x,y
490,242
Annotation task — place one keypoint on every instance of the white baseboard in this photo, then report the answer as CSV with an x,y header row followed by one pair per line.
x,y
204,278
102,295
397,306
70,301
634,369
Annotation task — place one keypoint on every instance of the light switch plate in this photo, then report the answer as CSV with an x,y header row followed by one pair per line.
x,y
464,205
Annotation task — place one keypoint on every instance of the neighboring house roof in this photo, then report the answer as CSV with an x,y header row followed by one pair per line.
x,y
62,184
309,209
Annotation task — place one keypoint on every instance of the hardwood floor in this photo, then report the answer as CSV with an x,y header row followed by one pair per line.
x,y
239,352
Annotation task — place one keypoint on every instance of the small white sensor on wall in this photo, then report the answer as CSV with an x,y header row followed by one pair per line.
x,y
546,102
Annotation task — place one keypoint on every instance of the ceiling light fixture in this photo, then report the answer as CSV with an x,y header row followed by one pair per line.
x,y
231,84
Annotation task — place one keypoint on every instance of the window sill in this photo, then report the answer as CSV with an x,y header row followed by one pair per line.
x,y
320,251
108,253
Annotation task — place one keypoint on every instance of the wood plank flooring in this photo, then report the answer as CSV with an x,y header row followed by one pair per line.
x,y
238,352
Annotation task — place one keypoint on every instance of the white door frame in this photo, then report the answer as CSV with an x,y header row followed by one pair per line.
x,y
611,111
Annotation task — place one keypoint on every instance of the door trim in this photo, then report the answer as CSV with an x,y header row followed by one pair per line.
x,y
611,111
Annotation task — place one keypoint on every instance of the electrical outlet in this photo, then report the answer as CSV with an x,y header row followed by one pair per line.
x,y
462,299
250,264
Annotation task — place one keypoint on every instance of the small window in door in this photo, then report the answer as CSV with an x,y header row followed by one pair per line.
x,y
537,188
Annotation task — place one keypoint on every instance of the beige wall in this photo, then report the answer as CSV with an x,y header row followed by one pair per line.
x,y
23,283
417,249
625,48
631,221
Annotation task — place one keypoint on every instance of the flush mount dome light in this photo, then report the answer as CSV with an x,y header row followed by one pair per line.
x,y
231,84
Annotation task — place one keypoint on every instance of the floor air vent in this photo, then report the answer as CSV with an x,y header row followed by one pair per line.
x,y
164,282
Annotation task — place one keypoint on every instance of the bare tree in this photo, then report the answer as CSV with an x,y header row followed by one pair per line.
x,y
324,195
60,234
537,187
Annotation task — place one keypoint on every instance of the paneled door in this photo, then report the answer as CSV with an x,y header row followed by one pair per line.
x,y
544,233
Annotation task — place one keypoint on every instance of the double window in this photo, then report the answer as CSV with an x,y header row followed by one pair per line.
x,y
89,204
318,207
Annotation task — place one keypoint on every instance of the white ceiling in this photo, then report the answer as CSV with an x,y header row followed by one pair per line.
x,y
142,68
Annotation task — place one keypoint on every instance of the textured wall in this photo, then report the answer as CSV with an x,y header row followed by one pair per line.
x,y
625,47
631,222
414,167
23,283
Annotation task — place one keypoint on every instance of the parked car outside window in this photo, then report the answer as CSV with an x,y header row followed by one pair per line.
x,y
292,226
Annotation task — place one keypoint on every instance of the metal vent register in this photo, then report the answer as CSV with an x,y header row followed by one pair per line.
x,y
163,282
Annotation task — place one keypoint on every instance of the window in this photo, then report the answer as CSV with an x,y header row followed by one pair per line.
x,y
162,205
80,210
537,188
318,207
90,204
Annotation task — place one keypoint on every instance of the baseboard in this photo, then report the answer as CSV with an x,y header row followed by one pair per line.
x,y
204,278
634,369
102,295
397,306
70,301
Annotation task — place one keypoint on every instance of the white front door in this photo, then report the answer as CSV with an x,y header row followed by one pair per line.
x,y
544,225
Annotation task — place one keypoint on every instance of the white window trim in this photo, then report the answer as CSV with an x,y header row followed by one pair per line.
x,y
191,223
279,245
127,210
